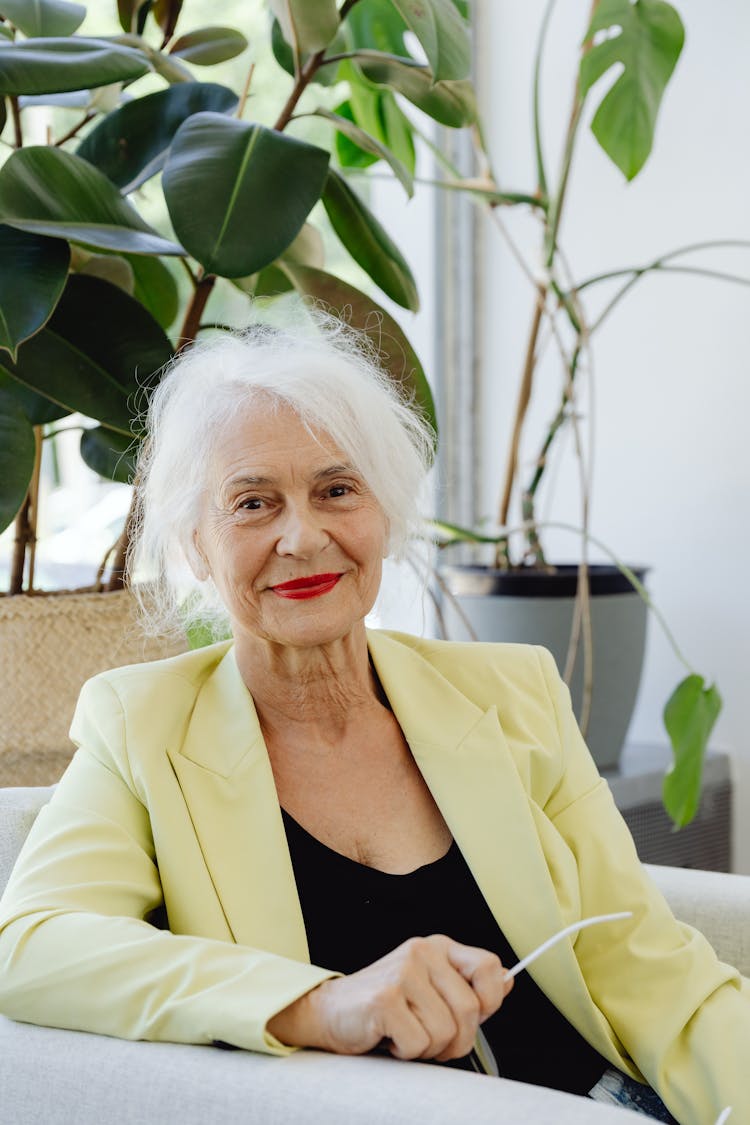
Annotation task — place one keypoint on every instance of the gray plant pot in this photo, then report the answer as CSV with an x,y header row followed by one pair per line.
x,y
534,607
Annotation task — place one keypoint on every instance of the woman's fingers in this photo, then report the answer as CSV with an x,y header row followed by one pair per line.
x,y
426,999
484,972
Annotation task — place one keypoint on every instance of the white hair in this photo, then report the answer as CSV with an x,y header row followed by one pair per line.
x,y
328,374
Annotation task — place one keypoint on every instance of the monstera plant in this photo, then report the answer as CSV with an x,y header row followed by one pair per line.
x,y
89,310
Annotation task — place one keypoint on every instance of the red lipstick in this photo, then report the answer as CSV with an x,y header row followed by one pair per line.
x,y
311,587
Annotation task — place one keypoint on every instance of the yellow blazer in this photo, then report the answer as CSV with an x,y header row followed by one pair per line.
x,y
170,803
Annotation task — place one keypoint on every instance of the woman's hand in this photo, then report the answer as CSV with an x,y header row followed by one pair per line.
x,y
426,999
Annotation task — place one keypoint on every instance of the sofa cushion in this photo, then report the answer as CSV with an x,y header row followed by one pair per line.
x,y
90,1079
18,811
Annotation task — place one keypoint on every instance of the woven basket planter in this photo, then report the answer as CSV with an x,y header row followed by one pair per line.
x,y
50,644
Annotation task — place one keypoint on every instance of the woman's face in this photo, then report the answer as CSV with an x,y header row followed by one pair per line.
x,y
290,533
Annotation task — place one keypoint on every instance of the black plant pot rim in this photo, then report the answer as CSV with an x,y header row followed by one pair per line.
x,y
528,582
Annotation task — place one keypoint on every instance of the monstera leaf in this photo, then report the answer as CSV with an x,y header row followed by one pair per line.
x,y
647,48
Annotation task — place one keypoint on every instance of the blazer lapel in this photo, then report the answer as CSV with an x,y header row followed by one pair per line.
x,y
465,759
226,780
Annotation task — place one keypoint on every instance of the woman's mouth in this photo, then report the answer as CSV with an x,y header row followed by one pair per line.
x,y
311,587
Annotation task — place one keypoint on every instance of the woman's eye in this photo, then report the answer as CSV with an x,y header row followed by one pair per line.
x,y
337,490
252,504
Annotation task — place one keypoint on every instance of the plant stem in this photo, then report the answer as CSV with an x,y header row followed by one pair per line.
x,y
25,526
191,323
551,231
16,115
118,576
245,91
301,83
18,561
307,73
541,177
33,508
76,129
524,397
541,461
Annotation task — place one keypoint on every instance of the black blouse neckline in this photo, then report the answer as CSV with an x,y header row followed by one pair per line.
x,y
363,870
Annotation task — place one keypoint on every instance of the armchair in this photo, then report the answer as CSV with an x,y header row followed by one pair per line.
x,y
54,1077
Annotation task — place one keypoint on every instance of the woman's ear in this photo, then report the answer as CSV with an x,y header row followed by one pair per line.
x,y
197,560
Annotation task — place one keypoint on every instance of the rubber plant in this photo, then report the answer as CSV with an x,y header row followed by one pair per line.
x,y
637,43
89,311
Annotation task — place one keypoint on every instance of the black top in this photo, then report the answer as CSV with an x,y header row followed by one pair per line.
x,y
355,914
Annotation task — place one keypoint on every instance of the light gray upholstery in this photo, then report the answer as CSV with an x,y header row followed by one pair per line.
x,y
18,811
53,1077
50,1077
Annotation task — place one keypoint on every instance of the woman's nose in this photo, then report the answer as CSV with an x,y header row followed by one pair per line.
x,y
302,534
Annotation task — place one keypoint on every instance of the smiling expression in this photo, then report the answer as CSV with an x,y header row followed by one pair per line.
x,y
290,533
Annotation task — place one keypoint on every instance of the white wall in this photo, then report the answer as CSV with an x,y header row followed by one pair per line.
x,y
672,392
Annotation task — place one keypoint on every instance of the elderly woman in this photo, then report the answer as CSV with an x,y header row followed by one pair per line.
x,y
320,835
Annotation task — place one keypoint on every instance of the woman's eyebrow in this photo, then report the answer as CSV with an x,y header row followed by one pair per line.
x,y
334,470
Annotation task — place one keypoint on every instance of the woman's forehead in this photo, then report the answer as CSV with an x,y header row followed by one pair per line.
x,y
270,442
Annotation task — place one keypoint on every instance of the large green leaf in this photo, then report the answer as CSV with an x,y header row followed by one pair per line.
x,y
239,193
98,352
647,47
110,454
310,25
689,717
44,17
47,191
399,135
209,45
349,154
368,243
306,250
443,34
450,103
33,270
113,268
375,110
17,453
52,66
38,409
377,25
155,288
130,145
397,356
369,144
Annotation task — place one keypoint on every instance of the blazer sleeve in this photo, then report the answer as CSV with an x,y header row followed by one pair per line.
x,y
77,949
683,1016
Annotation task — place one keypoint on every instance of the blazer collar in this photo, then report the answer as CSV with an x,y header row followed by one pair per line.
x,y
227,782
225,775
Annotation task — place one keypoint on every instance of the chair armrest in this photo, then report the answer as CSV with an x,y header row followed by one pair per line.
x,y
51,1077
716,903
19,807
